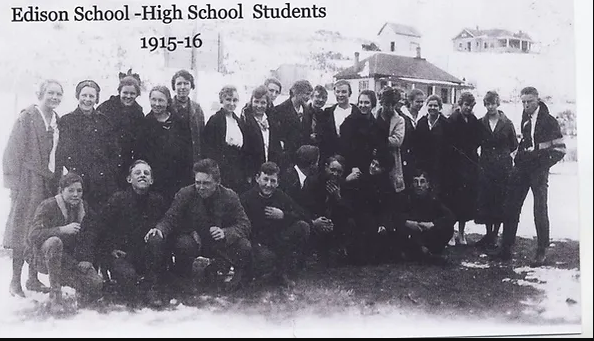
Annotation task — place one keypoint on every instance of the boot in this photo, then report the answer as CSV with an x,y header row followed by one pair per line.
x,y
502,253
15,289
154,299
539,260
34,284
56,307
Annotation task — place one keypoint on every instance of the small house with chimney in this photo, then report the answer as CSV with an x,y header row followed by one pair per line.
x,y
492,40
399,39
379,70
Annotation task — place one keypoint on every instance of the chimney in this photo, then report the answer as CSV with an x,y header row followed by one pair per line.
x,y
356,60
419,52
477,28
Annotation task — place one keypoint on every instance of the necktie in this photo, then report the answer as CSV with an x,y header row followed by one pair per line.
x,y
527,132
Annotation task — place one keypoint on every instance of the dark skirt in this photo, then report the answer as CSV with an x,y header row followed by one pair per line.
x,y
493,180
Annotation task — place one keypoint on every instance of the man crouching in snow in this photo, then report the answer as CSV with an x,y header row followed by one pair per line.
x,y
425,224
126,219
62,241
279,232
207,219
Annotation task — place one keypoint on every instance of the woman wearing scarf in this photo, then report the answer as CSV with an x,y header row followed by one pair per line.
x,y
31,173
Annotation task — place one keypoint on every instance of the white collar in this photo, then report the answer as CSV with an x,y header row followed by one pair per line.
x,y
434,123
52,123
301,176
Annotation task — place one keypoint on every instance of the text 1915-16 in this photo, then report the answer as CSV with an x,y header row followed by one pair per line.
x,y
170,43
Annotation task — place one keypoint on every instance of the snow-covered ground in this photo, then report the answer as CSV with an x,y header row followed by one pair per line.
x,y
73,51
561,302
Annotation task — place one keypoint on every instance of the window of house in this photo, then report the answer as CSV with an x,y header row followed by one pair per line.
x,y
429,90
486,46
460,46
445,96
478,44
363,85
392,46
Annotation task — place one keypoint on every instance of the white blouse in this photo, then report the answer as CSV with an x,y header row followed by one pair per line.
x,y
264,128
53,124
233,135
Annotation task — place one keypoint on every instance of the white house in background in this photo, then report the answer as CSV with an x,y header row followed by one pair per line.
x,y
399,39
386,69
492,40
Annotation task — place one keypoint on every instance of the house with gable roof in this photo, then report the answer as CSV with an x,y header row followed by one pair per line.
x,y
492,40
399,39
386,69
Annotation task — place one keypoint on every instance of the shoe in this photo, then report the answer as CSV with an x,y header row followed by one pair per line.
x,y
154,299
539,260
15,289
33,284
461,240
236,282
483,242
284,281
56,307
501,253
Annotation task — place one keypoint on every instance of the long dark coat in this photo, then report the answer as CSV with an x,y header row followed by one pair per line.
x,y
463,163
167,147
195,116
26,174
293,132
495,166
432,149
89,147
254,140
232,160
127,123
357,139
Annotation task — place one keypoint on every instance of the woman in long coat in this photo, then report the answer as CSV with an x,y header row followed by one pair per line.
x,y
166,145
224,142
126,117
432,145
498,141
390,130
31,173
89,146
463,172
261,138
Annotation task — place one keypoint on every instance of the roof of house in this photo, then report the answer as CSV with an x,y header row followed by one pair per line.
x,y
401,29
382,64
495,33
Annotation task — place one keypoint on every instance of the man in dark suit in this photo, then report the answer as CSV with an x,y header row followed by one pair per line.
x,y
541,147
293,179
293,122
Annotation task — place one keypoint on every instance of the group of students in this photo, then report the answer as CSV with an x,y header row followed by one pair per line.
x,y
262,189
